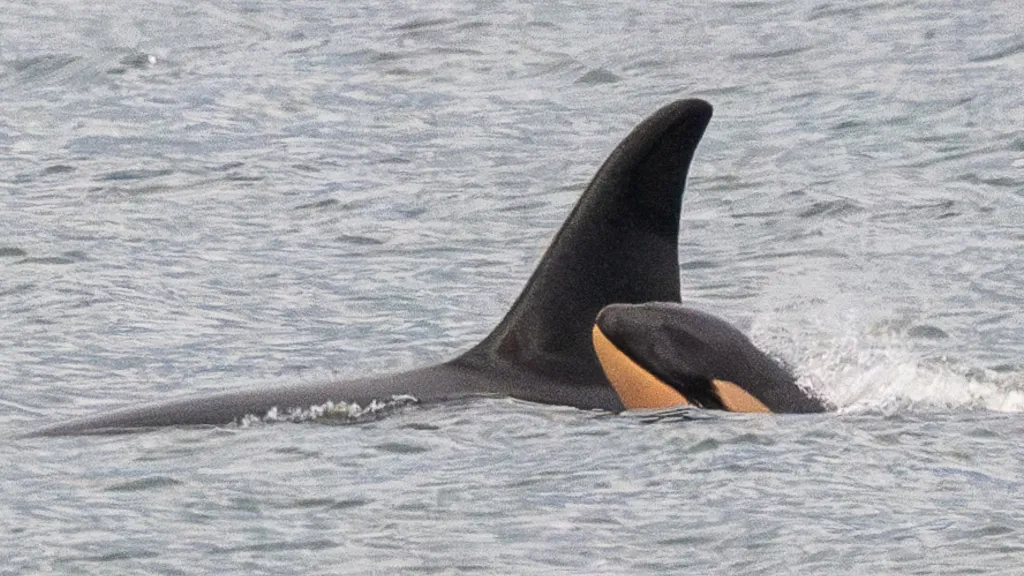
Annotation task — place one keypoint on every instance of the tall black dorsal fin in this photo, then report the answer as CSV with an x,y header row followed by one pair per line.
x,y
619,244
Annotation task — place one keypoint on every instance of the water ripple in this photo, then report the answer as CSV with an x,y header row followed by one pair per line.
x,y
198,197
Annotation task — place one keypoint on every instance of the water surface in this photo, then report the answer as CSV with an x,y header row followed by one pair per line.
x,y
209,196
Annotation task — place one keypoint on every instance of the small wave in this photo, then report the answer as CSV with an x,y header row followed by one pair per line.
x,y
319,205
42,64
134,61
598,76
424,23
143,484
770,54
999,53
48,260
342,412
831,208
671,415
356,240
135,174
121,555
277,546
58,169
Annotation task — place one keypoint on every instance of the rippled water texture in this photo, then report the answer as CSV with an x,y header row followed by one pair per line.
x,y
201,196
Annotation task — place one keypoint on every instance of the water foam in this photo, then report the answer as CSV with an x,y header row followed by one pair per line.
x,y
883,374
348,412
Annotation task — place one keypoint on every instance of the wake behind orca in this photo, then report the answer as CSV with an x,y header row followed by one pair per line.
x,y
619,245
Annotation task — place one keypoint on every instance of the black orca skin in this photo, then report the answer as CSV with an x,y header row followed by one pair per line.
x,y
687,349
618,245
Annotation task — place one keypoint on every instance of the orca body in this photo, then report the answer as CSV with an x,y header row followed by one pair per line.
x,y
618,245
663,354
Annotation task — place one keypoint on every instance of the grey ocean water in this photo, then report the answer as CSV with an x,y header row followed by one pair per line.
x,y
200,196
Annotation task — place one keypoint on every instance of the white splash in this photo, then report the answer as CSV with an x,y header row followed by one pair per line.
x,y
343,411
861,374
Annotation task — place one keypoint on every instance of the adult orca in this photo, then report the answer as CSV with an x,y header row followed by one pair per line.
x,y
618,245
662,354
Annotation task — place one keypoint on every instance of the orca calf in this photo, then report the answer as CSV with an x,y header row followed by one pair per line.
x,y
619,245
663,354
